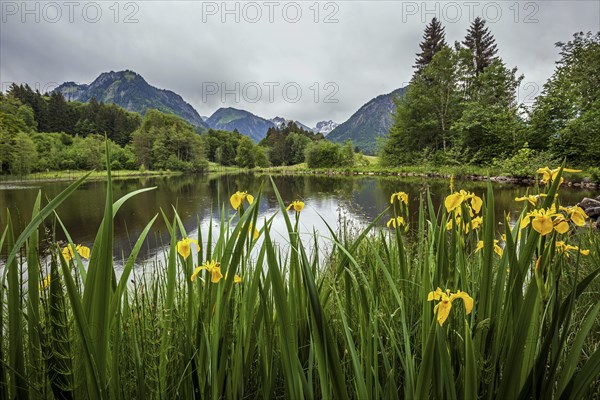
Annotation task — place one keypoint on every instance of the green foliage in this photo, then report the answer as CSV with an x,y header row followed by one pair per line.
x,y
569,102
525,162
288,144
246,153
426,114
462,101
434,40
221,146
325,154
165,141
51,113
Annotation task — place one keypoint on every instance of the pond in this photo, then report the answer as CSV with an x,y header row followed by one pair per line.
x,y
331,199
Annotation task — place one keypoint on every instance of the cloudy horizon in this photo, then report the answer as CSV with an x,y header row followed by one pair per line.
x,y
308,61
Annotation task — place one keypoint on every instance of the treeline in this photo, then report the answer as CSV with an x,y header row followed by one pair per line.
x,y
286,145
46,133
461,105
52,113
158,141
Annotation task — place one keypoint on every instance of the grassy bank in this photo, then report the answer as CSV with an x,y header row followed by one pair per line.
x,y
516,316
91,175
589,177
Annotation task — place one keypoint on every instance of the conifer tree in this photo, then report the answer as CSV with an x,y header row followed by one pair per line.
x,y
434,39
482,45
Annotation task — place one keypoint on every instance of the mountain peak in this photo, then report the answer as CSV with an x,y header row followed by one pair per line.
x,y
325,127
129,90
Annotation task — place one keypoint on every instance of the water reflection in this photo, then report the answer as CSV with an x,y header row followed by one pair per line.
x,y
198,197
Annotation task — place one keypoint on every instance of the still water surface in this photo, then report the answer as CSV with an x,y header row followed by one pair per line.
x,y
197,197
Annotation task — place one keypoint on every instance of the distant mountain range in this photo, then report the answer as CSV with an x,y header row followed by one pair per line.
x,y
371,121
130,91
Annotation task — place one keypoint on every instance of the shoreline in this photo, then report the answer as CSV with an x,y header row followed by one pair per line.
x,y
62,176
526,181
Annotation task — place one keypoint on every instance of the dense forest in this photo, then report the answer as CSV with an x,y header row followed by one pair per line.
x,y
461,106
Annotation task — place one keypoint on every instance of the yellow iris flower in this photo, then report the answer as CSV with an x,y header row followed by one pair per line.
x,y
497,249
577,214
446,299
454,200
69,254
532,198
548,175
297,205
184,247
401,196
238,198
213,267
544,221
563,248
396,222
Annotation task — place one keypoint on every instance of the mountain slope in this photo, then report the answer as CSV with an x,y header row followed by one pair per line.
x,y
245,122
371,121
131,91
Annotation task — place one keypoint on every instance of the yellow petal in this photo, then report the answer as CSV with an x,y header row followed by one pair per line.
x,y
476,204
196,272
250,198
183,248
443,310
83,251
498,250
453,201
237,279
543,225
562,227
235,200
68,253
525,222
584,252
479,246
216,275
578,219
467,300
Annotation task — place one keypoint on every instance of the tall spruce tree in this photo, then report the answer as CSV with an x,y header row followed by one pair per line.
x,y
434,39
482,45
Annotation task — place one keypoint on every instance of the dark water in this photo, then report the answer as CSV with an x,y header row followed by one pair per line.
x,y
357,199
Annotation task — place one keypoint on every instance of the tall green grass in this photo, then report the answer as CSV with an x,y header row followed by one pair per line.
x,y
353,323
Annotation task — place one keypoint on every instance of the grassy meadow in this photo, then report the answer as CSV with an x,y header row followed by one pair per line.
x,y
461,304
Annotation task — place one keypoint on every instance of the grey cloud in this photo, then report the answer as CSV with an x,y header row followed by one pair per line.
x,y
369,51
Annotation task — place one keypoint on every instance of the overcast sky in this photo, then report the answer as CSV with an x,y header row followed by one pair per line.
x,y
260,55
